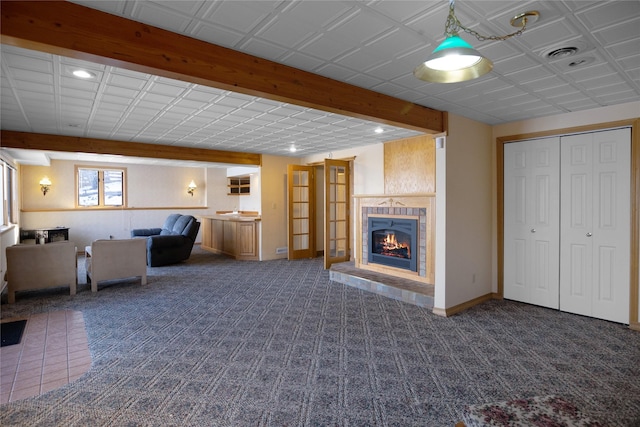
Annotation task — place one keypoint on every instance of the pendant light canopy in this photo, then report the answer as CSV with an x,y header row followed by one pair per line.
x,y
455,60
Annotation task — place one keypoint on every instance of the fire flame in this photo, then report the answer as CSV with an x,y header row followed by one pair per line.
x,y
390,243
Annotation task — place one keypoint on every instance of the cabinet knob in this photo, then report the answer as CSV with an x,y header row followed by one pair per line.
x,y
533,230
589,234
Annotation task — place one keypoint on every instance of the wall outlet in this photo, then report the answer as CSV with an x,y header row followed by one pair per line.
x,y
282,250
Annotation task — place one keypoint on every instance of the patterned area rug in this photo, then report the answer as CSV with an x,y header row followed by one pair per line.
x,y
217,342
546,411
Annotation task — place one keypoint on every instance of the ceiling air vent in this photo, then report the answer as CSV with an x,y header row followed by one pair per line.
x,y
562,52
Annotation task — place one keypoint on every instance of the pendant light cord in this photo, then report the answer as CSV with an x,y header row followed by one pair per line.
x,y
453,25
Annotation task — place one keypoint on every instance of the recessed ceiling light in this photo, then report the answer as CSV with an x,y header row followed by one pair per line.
x,y
292,148
84,74
378,130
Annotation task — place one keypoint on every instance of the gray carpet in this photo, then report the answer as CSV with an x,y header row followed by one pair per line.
x,y
215,342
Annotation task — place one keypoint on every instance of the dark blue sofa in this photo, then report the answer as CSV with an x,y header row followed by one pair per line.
x,y
172,243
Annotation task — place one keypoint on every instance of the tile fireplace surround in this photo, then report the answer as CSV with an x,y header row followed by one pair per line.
x,y
415,206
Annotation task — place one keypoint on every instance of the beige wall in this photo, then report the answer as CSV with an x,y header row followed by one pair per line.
x,y
153,192
273,227
368,167
463,213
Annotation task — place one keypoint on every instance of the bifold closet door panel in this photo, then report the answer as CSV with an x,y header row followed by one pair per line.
x,y
594,224
531,221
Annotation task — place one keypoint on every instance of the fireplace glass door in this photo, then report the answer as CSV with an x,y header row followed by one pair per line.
x,y
393,242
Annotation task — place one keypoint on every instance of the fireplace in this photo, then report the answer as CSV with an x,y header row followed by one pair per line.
x,y
393,242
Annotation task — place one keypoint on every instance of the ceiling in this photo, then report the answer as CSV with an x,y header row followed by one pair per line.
x,y
371,44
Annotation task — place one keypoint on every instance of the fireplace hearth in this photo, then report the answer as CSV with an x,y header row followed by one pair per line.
x,y
392,242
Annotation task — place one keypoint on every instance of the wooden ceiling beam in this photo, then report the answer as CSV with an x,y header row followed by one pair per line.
x,y
74,144
71,30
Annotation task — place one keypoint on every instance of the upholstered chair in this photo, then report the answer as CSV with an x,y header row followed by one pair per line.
x,y
173,242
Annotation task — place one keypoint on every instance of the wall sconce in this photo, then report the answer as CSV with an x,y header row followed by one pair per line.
x,y
191,188
45,183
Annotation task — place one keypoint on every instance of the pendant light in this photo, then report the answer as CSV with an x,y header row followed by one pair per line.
x,y
455,60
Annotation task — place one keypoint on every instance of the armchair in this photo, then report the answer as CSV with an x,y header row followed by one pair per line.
x,y
172,243
32,267
115,259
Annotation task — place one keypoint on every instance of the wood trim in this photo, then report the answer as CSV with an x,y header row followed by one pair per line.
x,y
75,31
154,208
446,312
635,200
344,159
73,144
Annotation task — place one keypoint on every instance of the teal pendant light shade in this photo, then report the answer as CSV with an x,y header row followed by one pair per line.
x,y
454,60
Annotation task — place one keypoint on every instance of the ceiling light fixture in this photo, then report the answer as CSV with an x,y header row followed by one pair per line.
x,y
84,74
378,130
455,60
292,149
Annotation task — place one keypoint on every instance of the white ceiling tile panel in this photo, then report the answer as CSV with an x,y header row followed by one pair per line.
x,y
624,49
35,77
617,98
629,30
301,61
546,84
606,14
496,51
326,46
218,35
188,7
429,22
589,73
27,62
109,6
362,59
513,64
162,100
611,89
361,26
169,19
239,15
127,82
630,64
169,90
337,72
285,35
363,80
402,10
541,36
530,74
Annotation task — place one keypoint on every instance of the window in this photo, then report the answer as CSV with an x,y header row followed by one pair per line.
x,y
240,185
98,187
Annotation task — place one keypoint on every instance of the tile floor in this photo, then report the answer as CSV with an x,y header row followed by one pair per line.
x,y
398,288
53,351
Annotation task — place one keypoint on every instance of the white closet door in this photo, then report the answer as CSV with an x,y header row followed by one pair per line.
x,y
531,221
595,209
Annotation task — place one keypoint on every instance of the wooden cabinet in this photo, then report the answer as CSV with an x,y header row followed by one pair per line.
x,y
231,236
239,186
